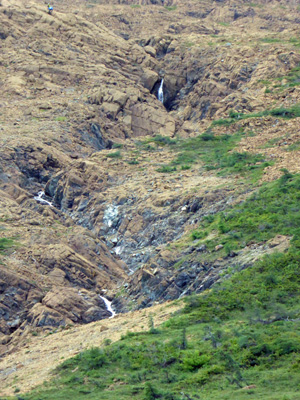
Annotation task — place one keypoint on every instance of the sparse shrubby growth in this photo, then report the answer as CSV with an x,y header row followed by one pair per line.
x,y
116,154
273,210
286,113
171,8
133,162
166,168
6,243
216,153
117,146
158,140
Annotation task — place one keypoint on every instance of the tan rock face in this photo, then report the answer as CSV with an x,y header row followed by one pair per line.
x,y
149,78
150,121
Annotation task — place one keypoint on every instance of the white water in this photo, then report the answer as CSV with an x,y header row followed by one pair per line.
x,y
160,94
118,250
110,214
40,199
108,306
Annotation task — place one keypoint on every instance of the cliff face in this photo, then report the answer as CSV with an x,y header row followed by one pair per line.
x,y
78,106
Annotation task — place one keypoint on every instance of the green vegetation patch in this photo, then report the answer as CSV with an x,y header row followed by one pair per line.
x,y
116,154
294,147
286,113
117,146
166,169
273,210
158,141
271,143
270,40
293,78
215,152
171,8
6,243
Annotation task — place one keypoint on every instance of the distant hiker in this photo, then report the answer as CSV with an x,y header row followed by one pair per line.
x,y
50,9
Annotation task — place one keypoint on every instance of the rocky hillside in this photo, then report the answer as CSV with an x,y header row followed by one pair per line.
x,y
128,179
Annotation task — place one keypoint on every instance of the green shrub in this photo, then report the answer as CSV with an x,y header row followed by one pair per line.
x,y
93,359
215,369
185,167
61,118
151,393
166,169
6,243
117,146
171,8
198,234
133,162
162,140
198,379
116,154
286,345
192,360
286,113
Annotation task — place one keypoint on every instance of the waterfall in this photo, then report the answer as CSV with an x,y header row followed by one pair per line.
x,y
161,92
108,306
110,215
40,199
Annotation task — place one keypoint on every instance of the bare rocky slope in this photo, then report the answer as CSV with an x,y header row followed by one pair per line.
x,y
78,86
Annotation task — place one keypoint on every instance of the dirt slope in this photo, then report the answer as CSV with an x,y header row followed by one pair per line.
x,y
34,362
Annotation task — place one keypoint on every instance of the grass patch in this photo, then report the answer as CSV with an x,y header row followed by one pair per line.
x,y
166,169
116,154
295,41
61,119
293,78
270,143
171,8
189,44
117,146
286,113
294,147
273,210
214,151
216,154
157,140
133,162
270,40
5,244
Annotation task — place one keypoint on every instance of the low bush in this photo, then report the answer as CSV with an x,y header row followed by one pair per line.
x,y
192,360
6,243
286,113
116,154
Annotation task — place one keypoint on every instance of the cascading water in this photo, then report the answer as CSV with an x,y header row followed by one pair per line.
x,y
108,306
110,215
40,199
160,94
